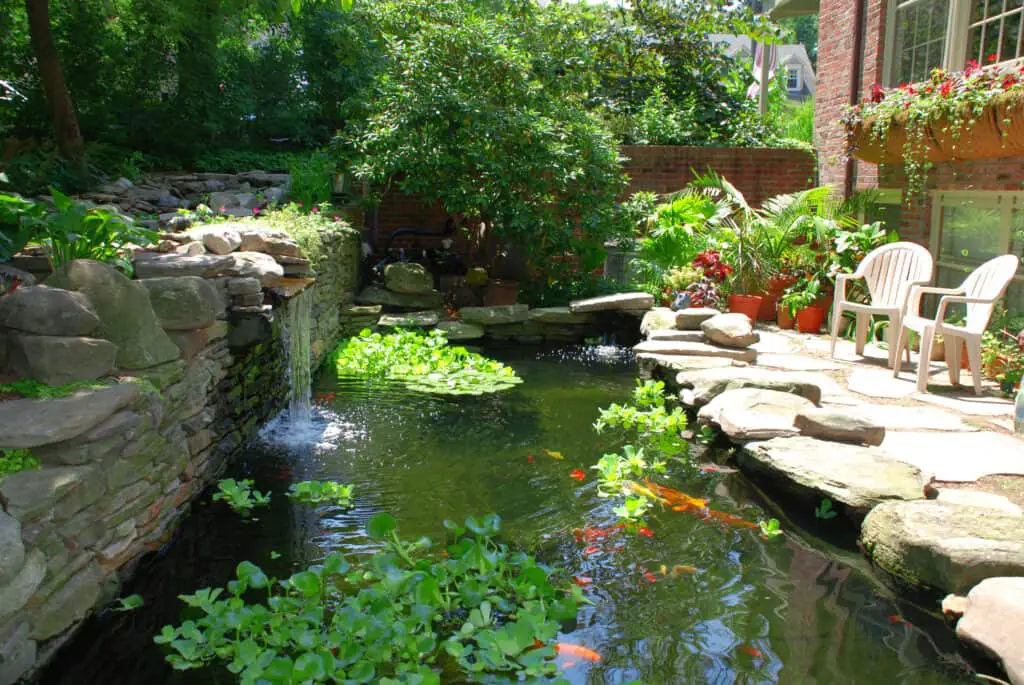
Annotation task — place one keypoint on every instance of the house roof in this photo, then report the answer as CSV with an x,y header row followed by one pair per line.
x,y
794,8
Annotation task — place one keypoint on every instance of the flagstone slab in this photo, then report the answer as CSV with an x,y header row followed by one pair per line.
x,y
957,457
619,301
690,349
796,362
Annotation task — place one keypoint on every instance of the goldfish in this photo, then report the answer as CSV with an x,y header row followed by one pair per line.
x,y
577,651
554,455
591,550
730,519
649,577
715,468
756,653
641,490
676,570
896,619
646,532
590,534
675,497
582,581
578,474
568,664
530,459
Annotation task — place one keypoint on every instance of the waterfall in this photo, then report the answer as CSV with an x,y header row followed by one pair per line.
x,y
297,331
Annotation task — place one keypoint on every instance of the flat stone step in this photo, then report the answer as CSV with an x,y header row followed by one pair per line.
x,y
754,413
840,426
691,319
700,387
993,622
858,478
690,349
619,301
665,366
944,546
424,319
670,335
559,315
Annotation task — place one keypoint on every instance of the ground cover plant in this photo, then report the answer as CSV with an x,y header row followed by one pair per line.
x,y
409,615
423,363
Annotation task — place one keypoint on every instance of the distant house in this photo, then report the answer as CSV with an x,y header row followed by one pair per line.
x,y
792,60
971,210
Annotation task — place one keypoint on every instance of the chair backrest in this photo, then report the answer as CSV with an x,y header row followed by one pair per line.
x,y
989,281
890,269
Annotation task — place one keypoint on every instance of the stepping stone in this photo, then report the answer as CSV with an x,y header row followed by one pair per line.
x,y
774,342
963,457
691,319
879,383
30,423
730,330
375,295
993,621
943,546
665,367
840,426
977,498
560,315
796,362
154,265
894,417
858,478
499,314
408,278
424,319
677,336
619,301
700,387
694,350
659,318
754,413
458,330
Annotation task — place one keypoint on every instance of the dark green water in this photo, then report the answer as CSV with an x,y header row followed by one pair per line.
x,y
795,610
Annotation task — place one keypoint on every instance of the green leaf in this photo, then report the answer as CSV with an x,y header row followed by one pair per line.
x,y
130,602
380,526
306,582
252,575
362,672
428,592
309,666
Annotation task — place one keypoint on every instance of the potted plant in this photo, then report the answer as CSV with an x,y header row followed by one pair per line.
x,y
676,281
801,300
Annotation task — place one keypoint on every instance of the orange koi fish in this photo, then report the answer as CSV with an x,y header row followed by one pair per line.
x,y
577,651
646,532
554,455
590,534
530,459
756,653
675,497
715,468
677,570
730,519
582,581
579,475
896,619
593,549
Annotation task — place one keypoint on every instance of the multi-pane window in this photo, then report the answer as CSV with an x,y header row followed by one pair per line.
x,y
792,79
994,29
920,38
927,34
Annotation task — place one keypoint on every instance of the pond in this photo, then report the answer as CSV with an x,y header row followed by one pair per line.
x,y
799,609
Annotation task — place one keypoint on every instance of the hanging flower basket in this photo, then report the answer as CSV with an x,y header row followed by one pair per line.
x,y
998,131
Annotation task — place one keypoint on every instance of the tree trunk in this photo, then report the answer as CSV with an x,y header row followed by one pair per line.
x,y
62,110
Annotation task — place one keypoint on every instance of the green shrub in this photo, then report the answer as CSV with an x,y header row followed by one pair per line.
x,y
12,461
312,180
423,363
41,391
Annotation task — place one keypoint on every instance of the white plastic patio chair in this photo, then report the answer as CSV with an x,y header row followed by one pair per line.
x,y
889,272
979,293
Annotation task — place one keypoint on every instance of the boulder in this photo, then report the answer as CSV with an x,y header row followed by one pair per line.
x,y
657,319
944,546
220,201
730,330
666,366
977,498
44,310
993,621
477,277
618,302
859,478
499,314
218,240
14,594
257,265
19,652
753,413
459,330
244,286
154,265
12,549
559,315
382,296
190,249
700,387
31,423
690,349
672,335
126,316
424,319
691,319
57,360
830,424
408,277
270,241
185,303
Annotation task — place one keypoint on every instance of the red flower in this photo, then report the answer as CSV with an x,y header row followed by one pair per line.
x,y
299,203
646,532
945,87
255,210
1009,82
315,210
877,93
992,58
972,66
578,475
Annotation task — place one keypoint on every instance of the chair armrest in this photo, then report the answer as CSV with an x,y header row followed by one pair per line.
x,y
947,300
841,279
911,286
916,291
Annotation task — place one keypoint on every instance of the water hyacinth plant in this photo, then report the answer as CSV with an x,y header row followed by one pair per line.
x,y
407,616
423,363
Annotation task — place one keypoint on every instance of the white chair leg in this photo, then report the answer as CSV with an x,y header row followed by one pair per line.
x,y
954,359
901,343
927,336
892,332
863,324
974,362
837,318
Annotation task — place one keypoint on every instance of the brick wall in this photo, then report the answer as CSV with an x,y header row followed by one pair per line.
x,y
758,172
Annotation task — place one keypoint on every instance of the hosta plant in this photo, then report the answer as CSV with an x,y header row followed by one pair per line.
x,y
409,615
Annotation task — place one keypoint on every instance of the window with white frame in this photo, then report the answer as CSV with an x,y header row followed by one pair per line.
x,y
971,227
927,34
886,206
793,83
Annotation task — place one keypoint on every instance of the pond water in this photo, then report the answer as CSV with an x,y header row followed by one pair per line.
x,y
793,610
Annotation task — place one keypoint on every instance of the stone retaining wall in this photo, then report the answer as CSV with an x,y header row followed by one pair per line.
x,y
188,363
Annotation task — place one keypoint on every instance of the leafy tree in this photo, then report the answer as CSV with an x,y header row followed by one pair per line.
x,y
474,112
62,110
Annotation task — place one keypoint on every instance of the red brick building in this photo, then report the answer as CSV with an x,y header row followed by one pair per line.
x,y
970,211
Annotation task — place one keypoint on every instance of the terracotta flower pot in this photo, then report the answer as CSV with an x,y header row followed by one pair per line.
x,y
785,320
501,292
769,302
809,319
746,304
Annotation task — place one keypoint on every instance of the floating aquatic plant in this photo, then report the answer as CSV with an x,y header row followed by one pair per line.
x,y
423,363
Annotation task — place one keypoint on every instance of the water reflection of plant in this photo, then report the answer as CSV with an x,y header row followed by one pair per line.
x,y
406,616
